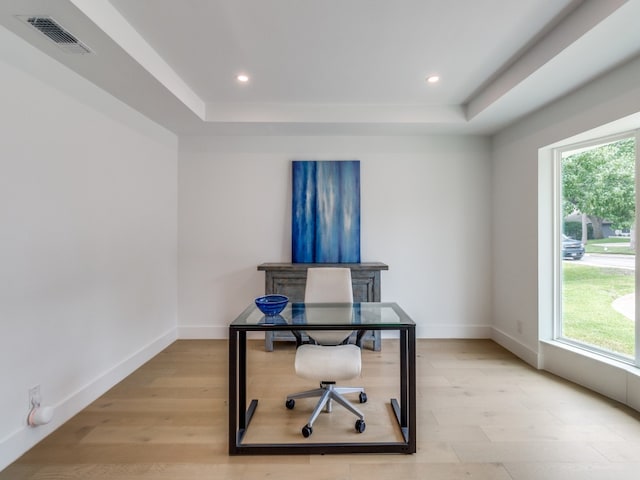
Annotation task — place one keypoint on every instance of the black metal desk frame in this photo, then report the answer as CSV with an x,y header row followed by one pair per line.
x,y
240,416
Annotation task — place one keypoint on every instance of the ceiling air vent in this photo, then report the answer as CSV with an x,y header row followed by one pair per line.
x,y
57,34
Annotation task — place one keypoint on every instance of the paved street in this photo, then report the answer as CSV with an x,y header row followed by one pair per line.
x,y
603,260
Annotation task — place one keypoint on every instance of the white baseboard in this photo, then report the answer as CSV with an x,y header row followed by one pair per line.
x,y
453,331
516,347
203,332
18,442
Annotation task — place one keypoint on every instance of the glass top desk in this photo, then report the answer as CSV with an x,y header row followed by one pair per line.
x,y
366,316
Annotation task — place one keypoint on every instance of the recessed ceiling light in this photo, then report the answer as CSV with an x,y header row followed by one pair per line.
x,y
242,78
433,79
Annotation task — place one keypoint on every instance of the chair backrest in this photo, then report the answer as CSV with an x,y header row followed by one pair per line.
x,y
329,285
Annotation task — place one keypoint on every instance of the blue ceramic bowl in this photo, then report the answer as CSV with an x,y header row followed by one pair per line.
x,y
271,305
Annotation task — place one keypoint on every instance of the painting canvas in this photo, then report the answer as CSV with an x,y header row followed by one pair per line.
x,y
326,212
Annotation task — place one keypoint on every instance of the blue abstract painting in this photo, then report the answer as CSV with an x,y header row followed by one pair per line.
x,y
326,212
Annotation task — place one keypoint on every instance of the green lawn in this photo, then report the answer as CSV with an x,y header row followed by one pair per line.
x,y
587,312
603,245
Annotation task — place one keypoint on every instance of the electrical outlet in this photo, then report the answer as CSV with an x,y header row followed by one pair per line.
x,y
34,396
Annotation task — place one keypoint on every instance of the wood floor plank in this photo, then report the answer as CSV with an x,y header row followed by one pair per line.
x,y
482,413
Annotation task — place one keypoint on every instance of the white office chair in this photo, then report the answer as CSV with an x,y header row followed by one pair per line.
x,y
331,359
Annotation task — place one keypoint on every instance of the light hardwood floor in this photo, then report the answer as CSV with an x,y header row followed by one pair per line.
x,y
482,414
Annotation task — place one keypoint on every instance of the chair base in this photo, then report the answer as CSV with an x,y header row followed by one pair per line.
x,y
329,392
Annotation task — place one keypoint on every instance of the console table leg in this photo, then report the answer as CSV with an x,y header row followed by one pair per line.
x,y
268,341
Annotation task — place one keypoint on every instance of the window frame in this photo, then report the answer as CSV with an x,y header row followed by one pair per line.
x,y
557,230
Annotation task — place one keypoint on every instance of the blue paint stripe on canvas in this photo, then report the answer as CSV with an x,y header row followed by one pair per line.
x,y
350,220
303,212
326,212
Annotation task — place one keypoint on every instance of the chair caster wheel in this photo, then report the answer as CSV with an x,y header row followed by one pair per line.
x,y
290,403
360,426
307,431
363,397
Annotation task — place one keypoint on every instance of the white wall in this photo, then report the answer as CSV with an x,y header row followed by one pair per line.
x,y
520,202
424,211
88,241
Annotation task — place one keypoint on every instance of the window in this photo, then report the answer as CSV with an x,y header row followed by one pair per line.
x,y
595,246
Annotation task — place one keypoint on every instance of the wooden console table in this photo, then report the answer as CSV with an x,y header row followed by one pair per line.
x,y
290,279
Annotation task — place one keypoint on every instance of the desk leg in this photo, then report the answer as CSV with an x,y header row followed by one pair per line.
x,y
233,391
404,376
242,381
411,374
405,411
238,418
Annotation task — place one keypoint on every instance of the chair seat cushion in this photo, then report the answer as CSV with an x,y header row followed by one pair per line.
x,y
328,363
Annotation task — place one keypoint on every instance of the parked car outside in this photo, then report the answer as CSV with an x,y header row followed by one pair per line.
x,y
572,248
